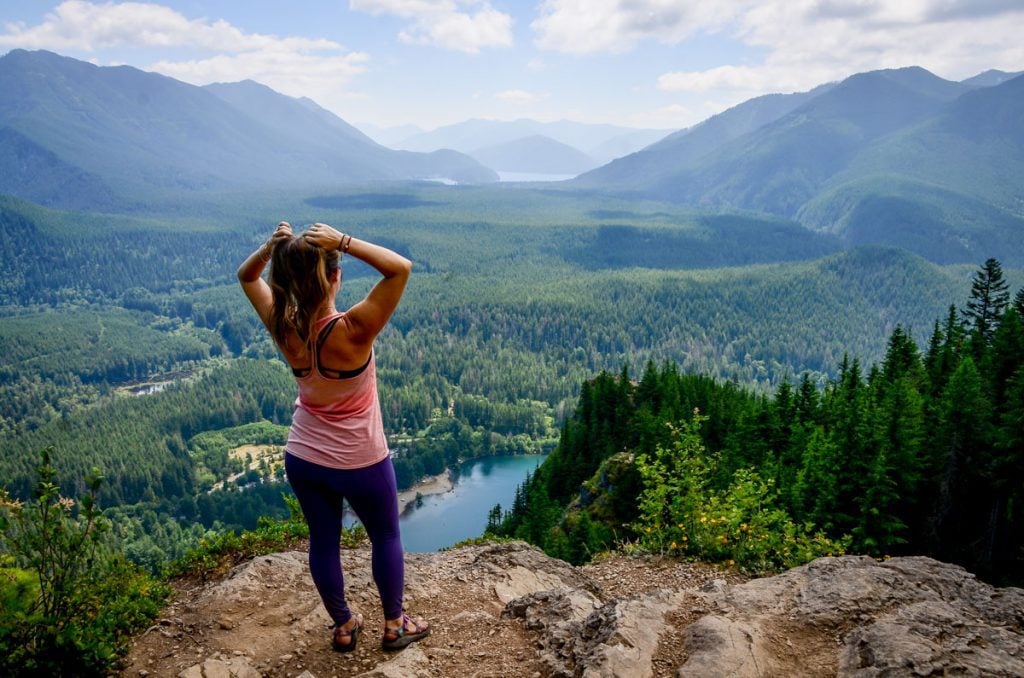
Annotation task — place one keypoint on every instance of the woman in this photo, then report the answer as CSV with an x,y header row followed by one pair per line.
x,y
336,446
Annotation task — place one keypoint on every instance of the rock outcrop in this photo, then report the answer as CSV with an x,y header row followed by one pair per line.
x,y
509,610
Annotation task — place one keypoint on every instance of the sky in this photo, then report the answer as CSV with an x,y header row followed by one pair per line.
x,y
664,64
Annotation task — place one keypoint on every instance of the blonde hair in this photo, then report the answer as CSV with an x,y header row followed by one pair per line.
x,y
300,280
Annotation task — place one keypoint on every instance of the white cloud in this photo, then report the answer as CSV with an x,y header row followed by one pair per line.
x,y
519,96
81,25
747,79
292,65
809,43
444,23
289,72
803,42
586,26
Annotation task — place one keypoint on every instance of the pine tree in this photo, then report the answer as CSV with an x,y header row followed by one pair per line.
x,y
901,357
899,466
1006,356
807,401
989,298
494,520
963,438
851,435
816,490
1008,549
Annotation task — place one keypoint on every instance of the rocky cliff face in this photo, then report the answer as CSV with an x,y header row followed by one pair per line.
x,y
509,610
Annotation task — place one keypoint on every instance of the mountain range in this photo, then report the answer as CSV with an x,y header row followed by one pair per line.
x,y
599,143
80,136
899,157
896,157
536,154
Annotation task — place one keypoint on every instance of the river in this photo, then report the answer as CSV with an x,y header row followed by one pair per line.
x,y
441,520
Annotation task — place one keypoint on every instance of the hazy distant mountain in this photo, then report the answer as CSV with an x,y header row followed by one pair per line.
x,y
133,133
899,157
624,144
990,78
589,138
778,165
288,115
949,188
686,148
535,154
389,136
37,174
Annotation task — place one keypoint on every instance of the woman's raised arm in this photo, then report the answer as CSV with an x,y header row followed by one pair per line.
x,y
368,317
249,273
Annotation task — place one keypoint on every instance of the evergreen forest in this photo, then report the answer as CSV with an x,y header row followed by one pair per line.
x,y
920,453
128,346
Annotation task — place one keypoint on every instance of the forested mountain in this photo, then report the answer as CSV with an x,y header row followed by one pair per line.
x,y
537,154
897,157
778,166
123,132
686,148
595,140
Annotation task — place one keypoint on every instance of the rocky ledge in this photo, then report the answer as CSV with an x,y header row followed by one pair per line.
x,y
509,610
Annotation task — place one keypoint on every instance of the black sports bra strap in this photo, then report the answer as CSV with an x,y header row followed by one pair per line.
x,y
326,371
322,337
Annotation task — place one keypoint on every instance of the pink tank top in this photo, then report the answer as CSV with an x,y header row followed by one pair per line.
x,y
337,421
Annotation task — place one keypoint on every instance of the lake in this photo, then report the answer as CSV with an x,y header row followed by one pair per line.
x,y
532,176
445,519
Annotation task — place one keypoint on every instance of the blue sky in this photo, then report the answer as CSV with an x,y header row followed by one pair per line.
x,y
639,63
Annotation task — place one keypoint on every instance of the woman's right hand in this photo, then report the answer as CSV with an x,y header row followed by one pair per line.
x,y
325,236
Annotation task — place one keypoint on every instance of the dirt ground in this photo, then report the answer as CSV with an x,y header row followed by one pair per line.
x,y
268,620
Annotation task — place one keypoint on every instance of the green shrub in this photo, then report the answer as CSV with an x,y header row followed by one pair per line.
x,y
215,555
70,603
682,513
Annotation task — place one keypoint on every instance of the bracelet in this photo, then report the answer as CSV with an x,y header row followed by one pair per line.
x,y
264,254
347,244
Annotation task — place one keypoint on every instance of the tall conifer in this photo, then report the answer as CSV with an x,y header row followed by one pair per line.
x,y
989,297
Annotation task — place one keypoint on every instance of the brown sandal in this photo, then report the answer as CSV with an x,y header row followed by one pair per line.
x,y
397,638
353,634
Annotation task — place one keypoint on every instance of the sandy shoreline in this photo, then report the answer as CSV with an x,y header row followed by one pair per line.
x,y
438,484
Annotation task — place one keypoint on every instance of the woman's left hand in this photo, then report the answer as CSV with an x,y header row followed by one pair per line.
x,y
282,232
325,236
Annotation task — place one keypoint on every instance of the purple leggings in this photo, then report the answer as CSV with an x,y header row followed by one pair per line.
x,y
372,494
